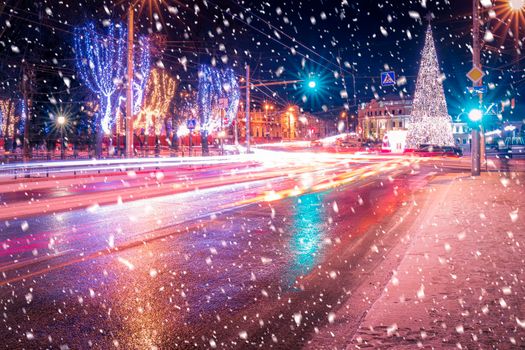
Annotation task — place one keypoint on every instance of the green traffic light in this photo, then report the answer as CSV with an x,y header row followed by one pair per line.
x,y
475,115
312,84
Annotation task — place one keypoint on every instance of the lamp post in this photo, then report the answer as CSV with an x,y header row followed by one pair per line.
x,y
515,6
130,73
129,85
290,118
478,141
61,121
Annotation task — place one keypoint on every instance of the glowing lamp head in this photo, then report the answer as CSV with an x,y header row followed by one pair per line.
x,y
475,115
517,5
61,120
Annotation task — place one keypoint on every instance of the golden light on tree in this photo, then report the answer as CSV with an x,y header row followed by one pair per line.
x,y
7,118
160,91
510,17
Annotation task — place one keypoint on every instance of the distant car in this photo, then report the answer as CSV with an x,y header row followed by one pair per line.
x,y
452,151
368,146
316,143
349,144
438,151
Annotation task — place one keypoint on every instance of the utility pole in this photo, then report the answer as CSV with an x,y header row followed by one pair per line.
x,y
344,86
129,86
477,141
27,77
248,108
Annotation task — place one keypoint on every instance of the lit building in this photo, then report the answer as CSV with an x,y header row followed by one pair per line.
x,y
461,133
376,118
272,124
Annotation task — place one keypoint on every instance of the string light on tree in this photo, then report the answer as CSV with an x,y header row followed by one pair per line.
x,y
142,66
429,120
142,70
214,85
7,118
160,91
21,118
100,59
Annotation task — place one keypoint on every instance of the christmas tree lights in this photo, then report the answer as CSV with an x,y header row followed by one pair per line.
x,y
100,63
429,120
215,85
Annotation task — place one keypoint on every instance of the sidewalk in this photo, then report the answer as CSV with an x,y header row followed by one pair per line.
x,y
453,279
460,283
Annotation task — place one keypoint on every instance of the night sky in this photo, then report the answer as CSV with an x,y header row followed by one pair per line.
x,y
281,40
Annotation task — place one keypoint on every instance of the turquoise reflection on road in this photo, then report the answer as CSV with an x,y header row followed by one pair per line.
x,y
308,227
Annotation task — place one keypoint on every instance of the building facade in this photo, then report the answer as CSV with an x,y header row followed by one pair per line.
x,y
272,125
461,133
376,118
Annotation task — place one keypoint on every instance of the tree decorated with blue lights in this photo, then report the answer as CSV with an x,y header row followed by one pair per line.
x,y
214,85
142,69
100,62
142,66
430,122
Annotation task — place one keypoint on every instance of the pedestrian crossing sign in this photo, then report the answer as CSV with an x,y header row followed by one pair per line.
x,y
388,78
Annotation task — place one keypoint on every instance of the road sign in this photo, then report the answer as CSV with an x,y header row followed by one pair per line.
x,y
477,89
475,74
388,78
191,124
223,103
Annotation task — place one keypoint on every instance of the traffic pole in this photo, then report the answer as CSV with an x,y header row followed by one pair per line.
x,y
475,153
478,141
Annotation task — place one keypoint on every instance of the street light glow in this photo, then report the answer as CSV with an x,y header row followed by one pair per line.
x,y
61,120
312,84
517,5
475,115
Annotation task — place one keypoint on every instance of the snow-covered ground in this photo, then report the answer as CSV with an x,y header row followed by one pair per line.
x,y
456,278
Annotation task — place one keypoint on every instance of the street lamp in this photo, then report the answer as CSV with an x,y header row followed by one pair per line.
x,y
517,5
290,118
130,73
61,124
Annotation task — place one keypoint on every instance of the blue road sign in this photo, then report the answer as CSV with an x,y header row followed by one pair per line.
x,y
388,78
191,124
477,89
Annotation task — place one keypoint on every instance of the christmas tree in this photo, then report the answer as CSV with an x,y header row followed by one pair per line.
x,y
429,120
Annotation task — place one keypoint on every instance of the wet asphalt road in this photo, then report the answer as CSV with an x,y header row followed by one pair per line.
x,y
261,275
